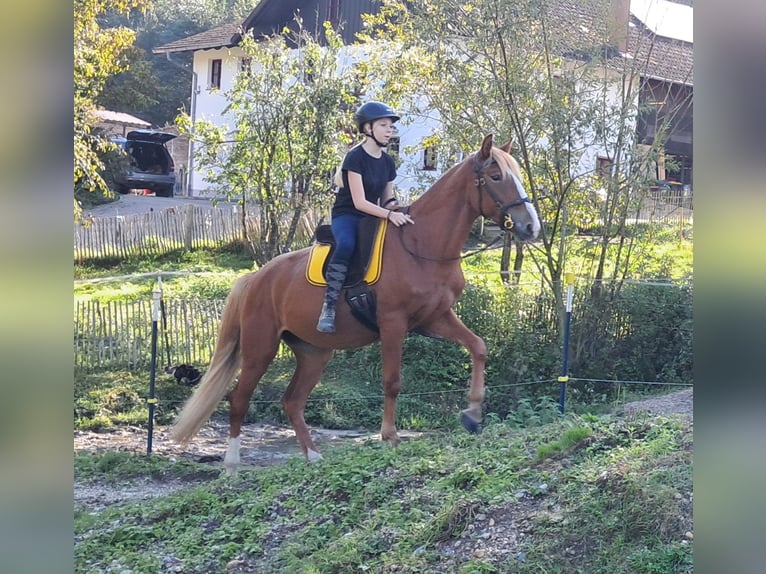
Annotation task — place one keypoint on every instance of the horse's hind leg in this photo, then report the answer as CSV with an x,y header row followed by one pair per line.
x,y
257,354
452,328
311,362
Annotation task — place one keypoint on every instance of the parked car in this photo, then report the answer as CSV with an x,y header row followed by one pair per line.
x,y
666,187
150,163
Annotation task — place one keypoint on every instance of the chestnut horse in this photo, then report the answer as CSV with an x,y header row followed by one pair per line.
x,y
421,279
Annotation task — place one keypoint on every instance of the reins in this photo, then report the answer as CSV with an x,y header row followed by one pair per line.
x,y
481,185
442,259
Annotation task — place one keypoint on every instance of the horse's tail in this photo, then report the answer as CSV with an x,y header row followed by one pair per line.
x,y
219,374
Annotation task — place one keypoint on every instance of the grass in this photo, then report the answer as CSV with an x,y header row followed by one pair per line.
x,y
116,467
583,492
614,498
207,273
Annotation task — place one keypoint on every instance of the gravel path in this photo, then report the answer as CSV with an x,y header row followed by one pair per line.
x,y
130,204
679,403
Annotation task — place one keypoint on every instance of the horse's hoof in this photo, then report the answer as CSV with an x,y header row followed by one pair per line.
x,y
471,425
313,456
392,440
231,471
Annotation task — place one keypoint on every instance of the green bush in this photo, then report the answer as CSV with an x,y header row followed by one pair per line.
x,y
641,334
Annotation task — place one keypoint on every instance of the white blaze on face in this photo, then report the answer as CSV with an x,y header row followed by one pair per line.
x,y
529,206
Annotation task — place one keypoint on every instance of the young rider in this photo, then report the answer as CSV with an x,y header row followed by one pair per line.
x,y
367,174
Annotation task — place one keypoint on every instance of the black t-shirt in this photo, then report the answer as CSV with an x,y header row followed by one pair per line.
x,y
375,172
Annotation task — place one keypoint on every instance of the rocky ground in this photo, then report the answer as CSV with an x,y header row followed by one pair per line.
x,y
678,403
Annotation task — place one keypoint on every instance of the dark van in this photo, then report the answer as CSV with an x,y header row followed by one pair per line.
x,y
151,165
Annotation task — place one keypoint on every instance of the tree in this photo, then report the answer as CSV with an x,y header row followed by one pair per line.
x,y
98,54
155,87
290,114
493,66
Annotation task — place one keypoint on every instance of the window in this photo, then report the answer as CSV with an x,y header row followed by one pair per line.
x,y
333,12
393,147
215,74
603,167
429,159
246,66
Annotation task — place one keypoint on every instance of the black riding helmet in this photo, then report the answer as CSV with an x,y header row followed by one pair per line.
x,y
372,111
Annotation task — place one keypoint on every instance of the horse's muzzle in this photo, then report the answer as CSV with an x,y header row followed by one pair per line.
x,y
522,228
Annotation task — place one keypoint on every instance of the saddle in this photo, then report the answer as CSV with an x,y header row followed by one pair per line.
x,y
363,270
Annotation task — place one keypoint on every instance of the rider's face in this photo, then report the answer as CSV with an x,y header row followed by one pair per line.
x,y
383,129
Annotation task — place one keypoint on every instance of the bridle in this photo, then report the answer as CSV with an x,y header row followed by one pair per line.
x,y
481,185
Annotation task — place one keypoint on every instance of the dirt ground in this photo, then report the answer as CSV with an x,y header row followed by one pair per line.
x,y
262,445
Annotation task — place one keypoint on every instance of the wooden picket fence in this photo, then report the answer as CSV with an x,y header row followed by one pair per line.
x,y
117,334
667,208
157,232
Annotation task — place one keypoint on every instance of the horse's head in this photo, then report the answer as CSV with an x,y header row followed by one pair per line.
x,y
502,197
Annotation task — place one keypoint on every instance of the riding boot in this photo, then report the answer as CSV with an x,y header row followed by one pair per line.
x,y
336,275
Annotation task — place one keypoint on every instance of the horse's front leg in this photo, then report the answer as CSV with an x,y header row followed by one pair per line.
x,y
391,351
450,327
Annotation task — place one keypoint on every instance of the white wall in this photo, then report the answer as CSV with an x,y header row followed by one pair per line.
x,y
412,131
209,105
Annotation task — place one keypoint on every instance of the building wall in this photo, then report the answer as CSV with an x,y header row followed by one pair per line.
x,y
209,105
412,179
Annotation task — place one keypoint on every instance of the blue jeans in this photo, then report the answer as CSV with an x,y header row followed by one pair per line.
x,y
344,229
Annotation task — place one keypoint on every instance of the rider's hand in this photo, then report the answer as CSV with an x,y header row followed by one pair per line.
x,y
398,218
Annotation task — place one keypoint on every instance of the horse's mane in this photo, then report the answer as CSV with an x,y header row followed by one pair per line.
x,y
506,161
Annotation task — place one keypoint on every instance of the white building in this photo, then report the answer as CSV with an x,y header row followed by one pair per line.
x,y
667,78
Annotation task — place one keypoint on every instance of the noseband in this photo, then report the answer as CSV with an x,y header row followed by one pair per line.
x,y
481,185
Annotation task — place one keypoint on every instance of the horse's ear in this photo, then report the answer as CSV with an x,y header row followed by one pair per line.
x,y
508,146
486,148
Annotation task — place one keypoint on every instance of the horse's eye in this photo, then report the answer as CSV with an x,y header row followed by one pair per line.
x,y
496,177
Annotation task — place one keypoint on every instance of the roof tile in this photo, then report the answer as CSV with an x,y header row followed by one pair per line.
x,y
220,37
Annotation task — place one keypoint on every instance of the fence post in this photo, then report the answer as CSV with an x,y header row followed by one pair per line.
x,y
569,279
156,299
188,226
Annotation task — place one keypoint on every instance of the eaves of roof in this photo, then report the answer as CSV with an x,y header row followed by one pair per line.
x,y
577,25
221,37
120,118
662,58
579,31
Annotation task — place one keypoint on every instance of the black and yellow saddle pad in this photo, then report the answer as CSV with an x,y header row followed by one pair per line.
x,y
367,260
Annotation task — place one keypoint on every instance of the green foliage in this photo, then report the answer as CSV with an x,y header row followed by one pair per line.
x,y
368,507
224,259
571,438
112,398
662,558
117,467
526,413
98,54
644,334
